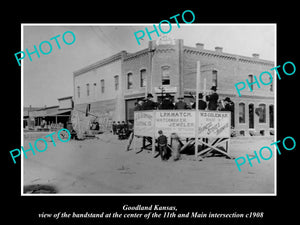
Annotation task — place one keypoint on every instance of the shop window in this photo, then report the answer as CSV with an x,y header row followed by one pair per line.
x,y
271,116
129,81
242,113
262,114
251,116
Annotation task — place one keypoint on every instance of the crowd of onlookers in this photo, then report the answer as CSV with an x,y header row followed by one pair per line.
x,y
211,102
121,129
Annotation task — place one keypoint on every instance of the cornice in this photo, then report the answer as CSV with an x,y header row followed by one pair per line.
x,y
226,56
102,62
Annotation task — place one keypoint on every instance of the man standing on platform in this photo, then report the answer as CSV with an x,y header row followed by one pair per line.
x,y
149,104
181,104
212,99
202,104
167,102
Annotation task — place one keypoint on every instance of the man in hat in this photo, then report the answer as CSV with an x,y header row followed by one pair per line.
x,y
149,104
162,141
229,106
212,99
138,106
181,104
202,104
167,102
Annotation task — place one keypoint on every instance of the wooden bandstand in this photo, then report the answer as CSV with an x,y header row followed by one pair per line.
x,y
210,129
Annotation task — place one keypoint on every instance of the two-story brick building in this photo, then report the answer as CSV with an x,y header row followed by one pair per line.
x,y
111,86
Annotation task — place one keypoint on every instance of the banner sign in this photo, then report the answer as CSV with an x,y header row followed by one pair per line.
x,y
143,123
181,122
214,124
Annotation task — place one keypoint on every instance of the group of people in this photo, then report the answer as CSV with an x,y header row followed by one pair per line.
x,y
211,102
162,142
121,129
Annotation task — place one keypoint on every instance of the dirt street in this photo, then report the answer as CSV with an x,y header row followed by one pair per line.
x,y
102,166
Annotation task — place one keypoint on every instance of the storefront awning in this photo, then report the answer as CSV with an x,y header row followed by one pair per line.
x,y
58,112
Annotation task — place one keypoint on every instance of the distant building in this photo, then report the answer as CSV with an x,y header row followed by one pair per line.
x,y
111,86
55,116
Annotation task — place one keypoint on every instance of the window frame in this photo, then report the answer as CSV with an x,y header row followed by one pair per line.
x,y
87,89
143,80
163,79
117,82
129,85
244,113
102,86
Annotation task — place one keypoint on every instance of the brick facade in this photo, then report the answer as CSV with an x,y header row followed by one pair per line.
x,y
178,63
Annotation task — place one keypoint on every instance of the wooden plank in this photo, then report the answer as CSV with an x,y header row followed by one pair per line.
x,y
189,143
214,148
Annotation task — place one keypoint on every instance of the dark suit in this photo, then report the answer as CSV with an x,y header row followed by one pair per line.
x,y
166,104
212,101
149,105
181,105
162,146
202,105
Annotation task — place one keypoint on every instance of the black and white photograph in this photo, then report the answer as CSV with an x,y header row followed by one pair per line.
x,y
145,114
130,106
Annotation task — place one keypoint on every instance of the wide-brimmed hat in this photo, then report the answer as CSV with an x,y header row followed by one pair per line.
x,y
149,95
227,99
200,95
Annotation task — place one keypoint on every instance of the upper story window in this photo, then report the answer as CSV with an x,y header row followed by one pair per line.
x,y
78,91
165,75
143,78
87,89
102,86
215,78
271,85
116,82
250,78
94,89
129,81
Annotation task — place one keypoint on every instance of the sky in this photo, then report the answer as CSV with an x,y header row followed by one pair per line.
x,y
50,77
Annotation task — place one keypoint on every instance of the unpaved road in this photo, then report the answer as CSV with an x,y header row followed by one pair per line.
x,y
102,166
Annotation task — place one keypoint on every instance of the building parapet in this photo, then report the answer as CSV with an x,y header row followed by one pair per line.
x,y
102,62
134,55
220,54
